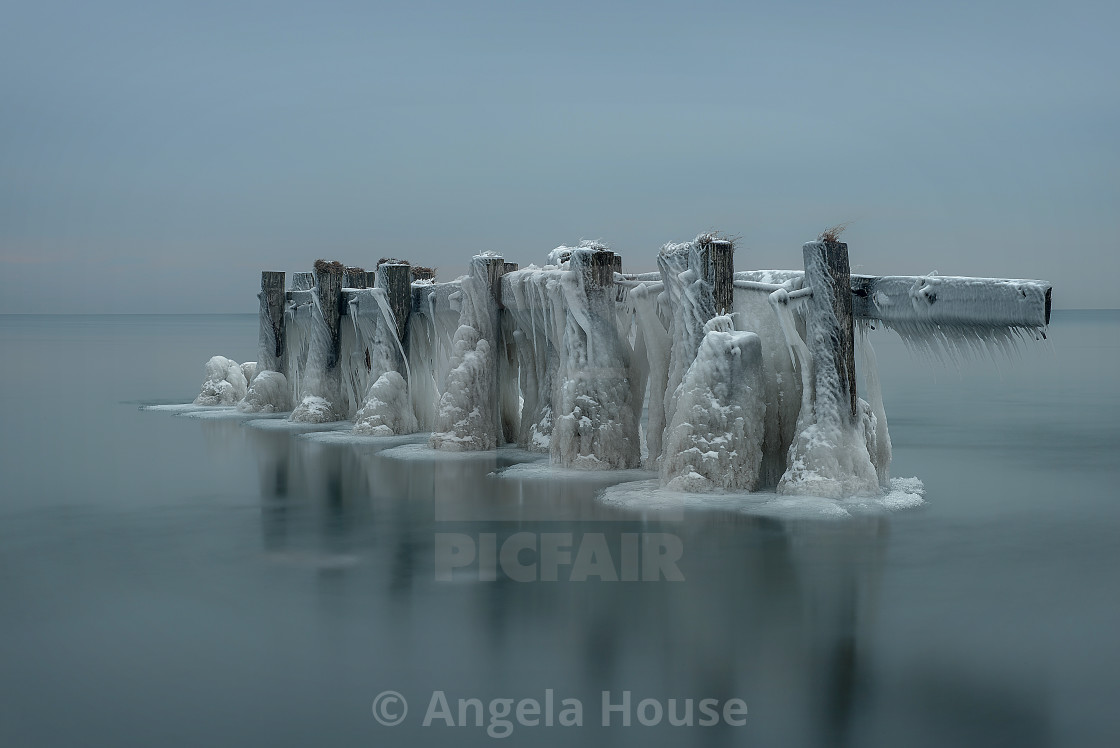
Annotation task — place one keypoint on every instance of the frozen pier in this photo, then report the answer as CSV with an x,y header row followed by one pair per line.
x,y
719,379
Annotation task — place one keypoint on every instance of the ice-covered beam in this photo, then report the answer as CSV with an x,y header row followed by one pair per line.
x,y
270,342
951,300
945,300
302,282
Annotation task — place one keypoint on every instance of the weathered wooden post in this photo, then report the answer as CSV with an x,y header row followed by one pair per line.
x,y
423,273
328,288
509,404
354,278
829,329
270,341
396,279
721,273
616,266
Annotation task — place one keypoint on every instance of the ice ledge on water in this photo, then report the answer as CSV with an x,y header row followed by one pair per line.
x,y
649,497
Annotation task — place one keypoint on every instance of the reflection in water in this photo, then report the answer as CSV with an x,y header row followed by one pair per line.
x,y
781,613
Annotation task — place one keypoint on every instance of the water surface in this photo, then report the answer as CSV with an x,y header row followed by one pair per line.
x,y
175,581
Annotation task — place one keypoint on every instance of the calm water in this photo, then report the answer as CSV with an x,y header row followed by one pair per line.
x,y
169,581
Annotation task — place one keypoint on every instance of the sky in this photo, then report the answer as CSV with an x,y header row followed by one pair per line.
x,y
155,157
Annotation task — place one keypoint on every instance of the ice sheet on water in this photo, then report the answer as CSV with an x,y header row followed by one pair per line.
x,y
283,424
541,470
363,440
424,453
649,497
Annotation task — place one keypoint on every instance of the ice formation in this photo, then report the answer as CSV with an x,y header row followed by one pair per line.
x,y
225,382
604,370
320,381
715,438
467,418
575,361
376,391
386,411
268,393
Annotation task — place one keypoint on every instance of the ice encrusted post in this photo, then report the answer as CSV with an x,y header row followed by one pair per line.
x,y
303,281
322,386
381,318
595,425
396,279
468,417
509,398
270,342
699,281
829,329
831,456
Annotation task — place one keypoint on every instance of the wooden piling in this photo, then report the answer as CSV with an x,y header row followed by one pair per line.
x,y
371,279
616,266
829,328
270,345
721,260
396,279
508,368
599,270
354,278
328,288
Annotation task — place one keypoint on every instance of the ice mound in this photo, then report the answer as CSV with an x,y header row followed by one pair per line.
x,y
313,409
463,408
715,439
225,383
387,410
268,393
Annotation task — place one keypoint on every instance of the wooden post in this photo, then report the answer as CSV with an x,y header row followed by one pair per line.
x,y
719,271
396,279
371,279
423,274
270,342
508,368
328,287
828,328
721,258
616,266
354,278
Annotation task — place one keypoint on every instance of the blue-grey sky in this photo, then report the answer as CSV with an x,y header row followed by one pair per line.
x,y
154,157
